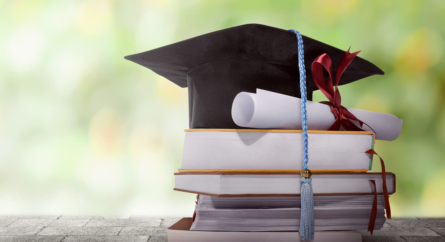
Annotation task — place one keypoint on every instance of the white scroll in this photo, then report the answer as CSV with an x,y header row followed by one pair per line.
x,y
270,110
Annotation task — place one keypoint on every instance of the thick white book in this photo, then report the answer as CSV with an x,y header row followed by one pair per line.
x,y
180,232
227,184
249,149
267,202
283,213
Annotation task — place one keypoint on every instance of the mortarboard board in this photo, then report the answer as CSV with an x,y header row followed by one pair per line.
x,y
217,66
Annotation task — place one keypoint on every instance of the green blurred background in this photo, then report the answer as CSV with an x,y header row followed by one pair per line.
x,y
83,131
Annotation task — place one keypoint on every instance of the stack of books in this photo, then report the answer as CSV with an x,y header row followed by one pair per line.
x,y
248,185
248,180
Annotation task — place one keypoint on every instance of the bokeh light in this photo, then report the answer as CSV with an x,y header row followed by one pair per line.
x,y
83,131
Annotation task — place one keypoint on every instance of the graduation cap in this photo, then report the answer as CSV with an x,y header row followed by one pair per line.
x,y
217,66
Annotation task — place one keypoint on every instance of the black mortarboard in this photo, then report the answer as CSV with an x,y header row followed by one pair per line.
x,y
219,65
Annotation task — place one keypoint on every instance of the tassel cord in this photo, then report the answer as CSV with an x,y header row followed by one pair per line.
x,y
307,199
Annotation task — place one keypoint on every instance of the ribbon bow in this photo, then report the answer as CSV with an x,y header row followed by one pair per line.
x,y
341,114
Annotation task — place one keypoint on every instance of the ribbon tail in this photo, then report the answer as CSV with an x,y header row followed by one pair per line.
x,y
194,212
360,122
307,210
351,116
351,126
385,189
194,216
344,63
374,210
369,127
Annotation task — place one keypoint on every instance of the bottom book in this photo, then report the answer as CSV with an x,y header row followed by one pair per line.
x,y
180,232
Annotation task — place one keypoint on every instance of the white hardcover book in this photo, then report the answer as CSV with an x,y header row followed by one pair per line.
x,y
268,202
222,184
248,149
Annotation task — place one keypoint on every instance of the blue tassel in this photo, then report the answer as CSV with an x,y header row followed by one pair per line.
x,y
307,210
307,198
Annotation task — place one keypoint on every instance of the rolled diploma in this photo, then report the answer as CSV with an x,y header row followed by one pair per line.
x,y
270,110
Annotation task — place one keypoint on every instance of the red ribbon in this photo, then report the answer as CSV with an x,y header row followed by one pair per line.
x,y
384,188
374,210
385,195
194,212
341,114
343,117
